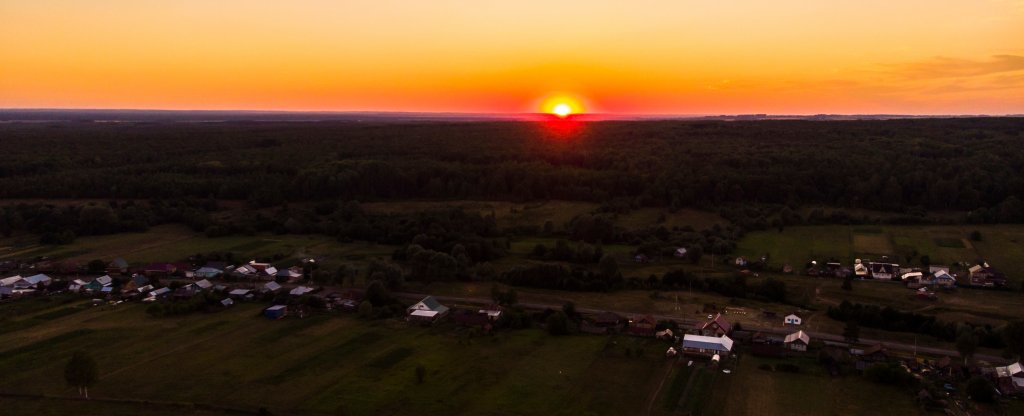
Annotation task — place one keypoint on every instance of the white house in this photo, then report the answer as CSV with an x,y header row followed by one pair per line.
x,y
797,341
300,290
39,279
792,319
428,309
705,345
271,287
680,252
942,278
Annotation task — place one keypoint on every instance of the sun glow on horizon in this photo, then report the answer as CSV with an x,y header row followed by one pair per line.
x,y
562,106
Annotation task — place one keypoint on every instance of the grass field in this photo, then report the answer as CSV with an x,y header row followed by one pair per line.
x,y
324,365
752,391
1001,245
177,243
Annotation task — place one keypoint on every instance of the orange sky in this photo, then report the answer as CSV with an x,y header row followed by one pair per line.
x,y
630,57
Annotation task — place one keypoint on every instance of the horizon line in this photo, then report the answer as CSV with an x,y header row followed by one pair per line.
x,y
506,114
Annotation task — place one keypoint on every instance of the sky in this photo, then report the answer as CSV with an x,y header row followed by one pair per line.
x,y
622,57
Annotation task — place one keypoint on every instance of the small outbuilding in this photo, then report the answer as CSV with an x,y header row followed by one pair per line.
x,y
276,312
793,319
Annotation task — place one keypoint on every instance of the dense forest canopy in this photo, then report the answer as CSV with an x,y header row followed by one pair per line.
x,y
890,165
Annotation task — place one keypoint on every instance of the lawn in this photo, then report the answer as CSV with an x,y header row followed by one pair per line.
x,y
752,391
324,365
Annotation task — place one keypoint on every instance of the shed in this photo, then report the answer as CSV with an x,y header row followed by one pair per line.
x,y
276,312
793,319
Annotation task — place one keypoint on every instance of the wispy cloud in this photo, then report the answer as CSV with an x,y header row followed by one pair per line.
x,y
946,67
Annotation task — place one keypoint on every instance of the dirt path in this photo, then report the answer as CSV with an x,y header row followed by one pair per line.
x,y
654,396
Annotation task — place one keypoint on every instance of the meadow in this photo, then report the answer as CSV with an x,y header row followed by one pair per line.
x,y
1001,245
322,365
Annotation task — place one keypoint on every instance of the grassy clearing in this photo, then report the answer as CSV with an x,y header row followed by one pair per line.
x,y
235,358
751,391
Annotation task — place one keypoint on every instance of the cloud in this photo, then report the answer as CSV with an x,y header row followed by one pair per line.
x,y
945,67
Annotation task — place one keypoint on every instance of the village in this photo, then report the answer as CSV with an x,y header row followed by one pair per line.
x,y
712,342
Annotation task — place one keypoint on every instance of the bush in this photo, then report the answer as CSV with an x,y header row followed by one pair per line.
x,y
558,323
980,390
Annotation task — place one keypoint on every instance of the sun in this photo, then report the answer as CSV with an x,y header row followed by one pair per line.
x,y
561,110
562,105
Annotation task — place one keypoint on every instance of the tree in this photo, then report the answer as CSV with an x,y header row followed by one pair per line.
x,y
926,261
695,253
966,345
1013,337
365,309
569,309
608,266
980,390
377,293
421,373
81,372
97,266
851,333
558,323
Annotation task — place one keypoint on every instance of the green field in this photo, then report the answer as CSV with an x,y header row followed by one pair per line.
x,y
1001,245
170,243
323,365
752,391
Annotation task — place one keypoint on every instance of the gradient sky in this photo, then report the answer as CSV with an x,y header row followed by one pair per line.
x,y
630,57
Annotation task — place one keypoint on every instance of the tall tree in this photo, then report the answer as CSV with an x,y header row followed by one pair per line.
x,y
851,333
81,372
966,345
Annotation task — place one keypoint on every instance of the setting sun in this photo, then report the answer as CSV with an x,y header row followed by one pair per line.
x,y
562,110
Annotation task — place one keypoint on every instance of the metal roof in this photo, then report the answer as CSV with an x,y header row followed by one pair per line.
x,y
723,343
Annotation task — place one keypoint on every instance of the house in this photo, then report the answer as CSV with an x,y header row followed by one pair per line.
x,y
860,270
276,312
797,341
792,319
290,274
201,285
943,279
883,271
39,279
118,266
271,287
227,302
99,283
136,281
493,312
472,319
680,252
934,269
875,353
207,273
245,270
159,269
1010,379
911,277
300,290
984,275
427,310
706,346
158,294
14,280
714,326
240,294
787,269
740,261
607,320
642,326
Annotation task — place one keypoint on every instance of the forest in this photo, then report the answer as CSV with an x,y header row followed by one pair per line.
x,y
901,166
311,177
